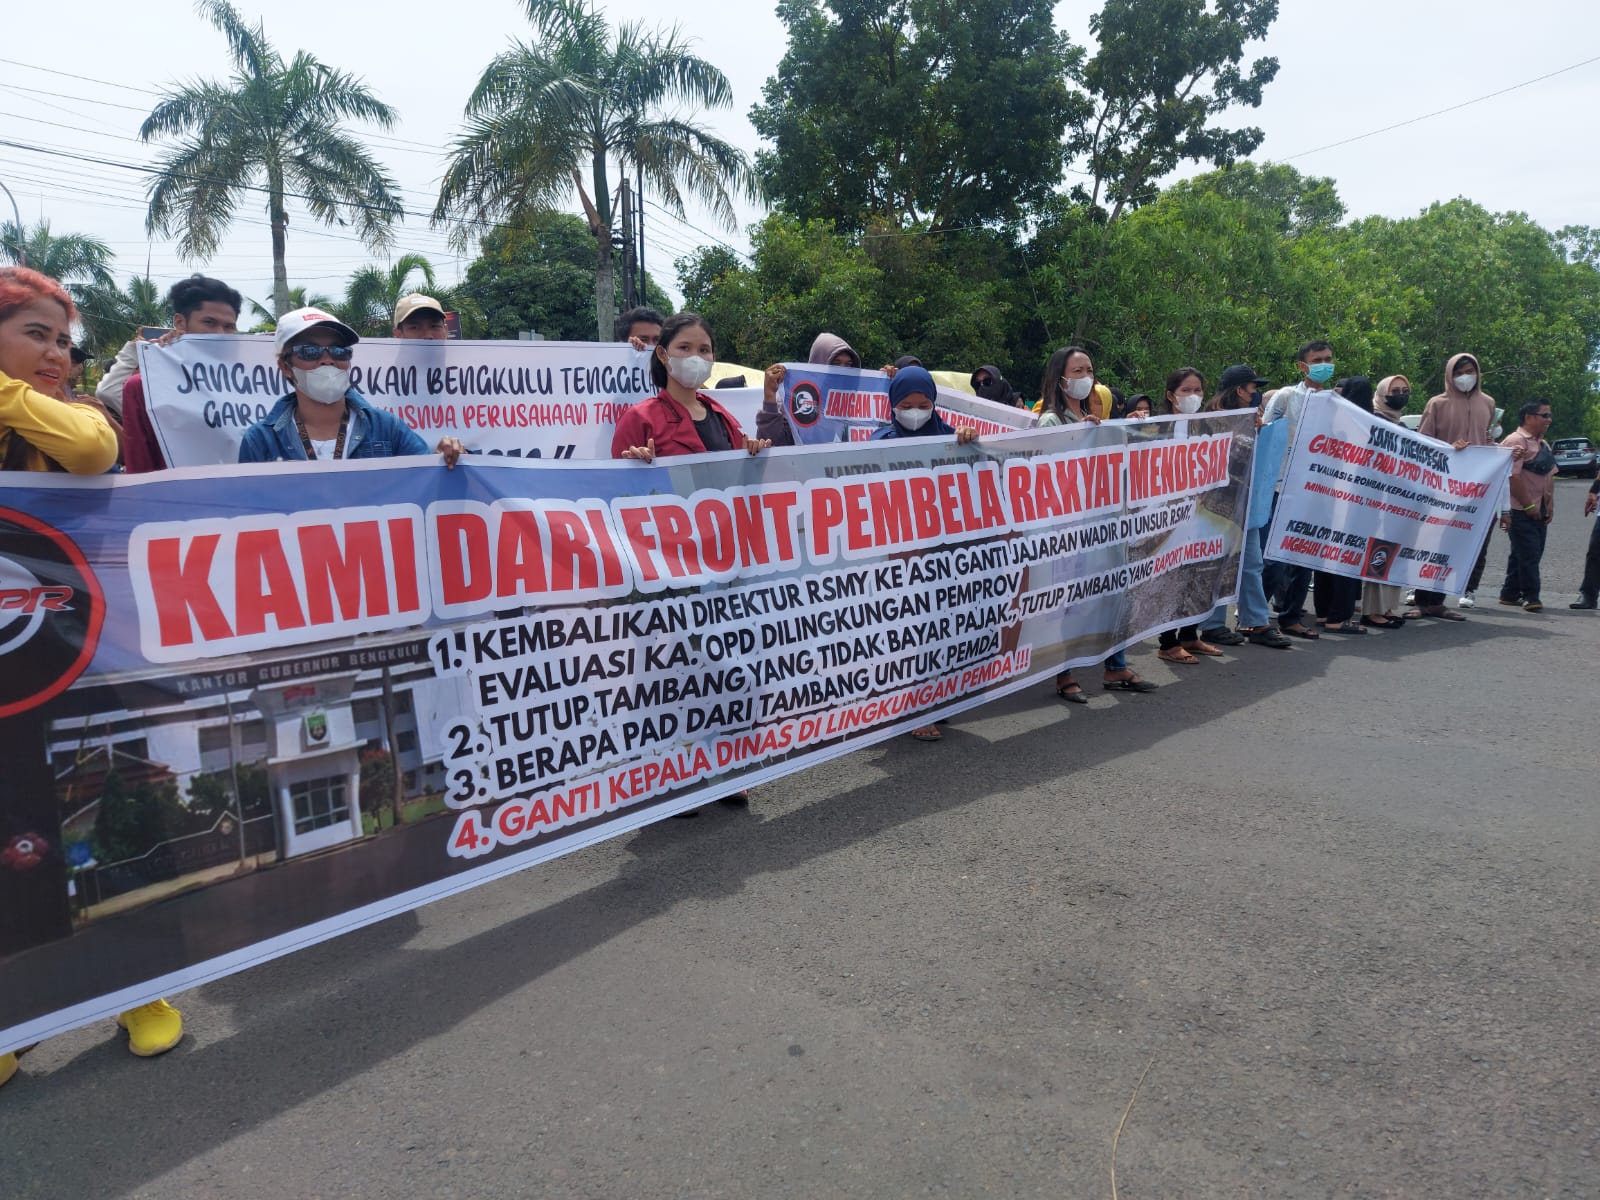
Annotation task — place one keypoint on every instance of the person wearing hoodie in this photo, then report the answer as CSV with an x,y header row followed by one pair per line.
x,y
1460,415
989,384
1379,600
828,349
911,405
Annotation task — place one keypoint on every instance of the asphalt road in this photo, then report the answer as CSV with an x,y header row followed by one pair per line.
x,y
1337,906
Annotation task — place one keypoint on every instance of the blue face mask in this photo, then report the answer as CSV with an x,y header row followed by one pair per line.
x,y
1319,372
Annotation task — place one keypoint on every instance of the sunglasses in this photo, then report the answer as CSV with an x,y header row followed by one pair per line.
x,y
310,354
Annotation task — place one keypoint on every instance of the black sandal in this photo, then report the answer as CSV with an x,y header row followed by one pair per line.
x,y
1073,693
1383,622
1134,684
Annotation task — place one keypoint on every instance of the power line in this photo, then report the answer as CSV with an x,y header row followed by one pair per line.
x,y
1440,112
702,232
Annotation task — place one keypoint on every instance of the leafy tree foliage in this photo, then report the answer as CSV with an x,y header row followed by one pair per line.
x,y
915,111
554,116
275,128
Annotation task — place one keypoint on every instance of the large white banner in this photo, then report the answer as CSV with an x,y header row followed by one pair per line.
x,y
1370,499
516,399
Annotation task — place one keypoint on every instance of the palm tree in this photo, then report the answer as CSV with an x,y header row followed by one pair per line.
x,y
373,291
79,263
272,130
546,114
293,298
112,315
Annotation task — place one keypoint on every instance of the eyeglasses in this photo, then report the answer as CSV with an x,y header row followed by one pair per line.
x,y
1545,416
309,353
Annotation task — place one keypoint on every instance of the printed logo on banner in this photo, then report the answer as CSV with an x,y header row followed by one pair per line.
x,y
51,612
805,404
1379,559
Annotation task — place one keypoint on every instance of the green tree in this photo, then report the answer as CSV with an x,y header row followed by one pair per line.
x,y
539,275
112,315
1303,202
80,263
373,292
296,297
916,111
274,129
547,115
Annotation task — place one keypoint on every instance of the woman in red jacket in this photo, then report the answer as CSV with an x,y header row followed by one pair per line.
x,y
680,419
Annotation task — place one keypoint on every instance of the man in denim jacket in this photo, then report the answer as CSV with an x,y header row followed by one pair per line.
x,y
324,417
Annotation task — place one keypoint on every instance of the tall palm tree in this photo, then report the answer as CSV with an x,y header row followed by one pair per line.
x,y
112,315
551,116
273,130
296,297
373,291
78,262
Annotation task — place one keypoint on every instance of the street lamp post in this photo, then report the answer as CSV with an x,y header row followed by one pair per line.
x,y
22,245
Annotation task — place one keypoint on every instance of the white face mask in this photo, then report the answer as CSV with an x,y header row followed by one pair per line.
x,y
913,419
326,384
1079,389
1465,383
1186,404
691,371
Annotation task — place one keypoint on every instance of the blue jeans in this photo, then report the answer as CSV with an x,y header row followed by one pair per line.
x,y
1253,611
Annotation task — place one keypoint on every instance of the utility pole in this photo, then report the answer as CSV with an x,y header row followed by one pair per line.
x,y
630,295
643,297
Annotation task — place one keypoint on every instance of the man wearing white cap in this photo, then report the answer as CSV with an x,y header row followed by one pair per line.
x,y
419,316
324,417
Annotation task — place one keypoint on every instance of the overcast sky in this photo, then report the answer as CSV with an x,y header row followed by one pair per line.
x,y
1347,69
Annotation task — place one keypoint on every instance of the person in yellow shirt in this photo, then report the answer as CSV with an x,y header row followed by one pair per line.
x,y
39,432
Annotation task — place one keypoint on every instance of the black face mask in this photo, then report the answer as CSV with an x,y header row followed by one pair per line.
x,y
1397,399
1255,398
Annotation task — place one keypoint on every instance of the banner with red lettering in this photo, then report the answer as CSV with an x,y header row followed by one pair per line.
x,y
513,399
1370,499
244,709
842,404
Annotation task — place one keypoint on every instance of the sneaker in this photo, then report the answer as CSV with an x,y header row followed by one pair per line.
x,y
1469,600
1583,602
1509,602
1533,606
153,1028
1222,637
8,1066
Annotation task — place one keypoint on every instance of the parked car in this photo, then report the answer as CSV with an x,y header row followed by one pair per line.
x,y
1576,456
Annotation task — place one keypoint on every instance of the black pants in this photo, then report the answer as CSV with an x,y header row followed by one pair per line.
x,y
1590,587
1335,597
1172,637
1522,567
1435,599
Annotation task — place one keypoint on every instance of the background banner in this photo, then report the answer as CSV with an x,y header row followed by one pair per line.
x,y
841,404
517,399
1370,499
249,708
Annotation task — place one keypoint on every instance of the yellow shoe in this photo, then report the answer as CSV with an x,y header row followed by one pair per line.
x,y
153,1028
8,1066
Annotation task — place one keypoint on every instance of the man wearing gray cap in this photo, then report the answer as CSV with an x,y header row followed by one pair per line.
x,y
324,417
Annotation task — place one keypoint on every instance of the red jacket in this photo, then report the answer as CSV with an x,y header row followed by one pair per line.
x,y
663,418
140,450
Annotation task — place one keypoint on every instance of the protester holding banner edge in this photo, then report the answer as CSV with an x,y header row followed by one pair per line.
x,y
39,432
324,418
1460,415
1379,600
1533,505
680,417
827,349
1287,583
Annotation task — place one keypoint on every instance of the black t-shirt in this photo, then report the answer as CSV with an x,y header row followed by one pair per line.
x,y
713,433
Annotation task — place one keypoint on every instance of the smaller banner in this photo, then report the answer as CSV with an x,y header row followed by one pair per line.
x,y
510,399
1370,499
841,404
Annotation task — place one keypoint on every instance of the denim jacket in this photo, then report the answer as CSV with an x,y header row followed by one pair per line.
x,y
373,433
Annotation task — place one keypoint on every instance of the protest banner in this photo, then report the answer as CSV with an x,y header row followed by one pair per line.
x,y
1370,499
841,404
245,709
517,399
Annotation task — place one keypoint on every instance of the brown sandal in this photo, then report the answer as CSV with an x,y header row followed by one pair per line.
x,y
1202,647
1177,655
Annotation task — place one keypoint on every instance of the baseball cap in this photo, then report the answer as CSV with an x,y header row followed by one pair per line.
x,y
79,354
415,302
292,324
1237,376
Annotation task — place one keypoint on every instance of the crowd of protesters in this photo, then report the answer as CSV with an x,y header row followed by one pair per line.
x,y
47,424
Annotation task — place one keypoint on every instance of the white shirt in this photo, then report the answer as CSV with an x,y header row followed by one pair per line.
x,y
324,450
1288,403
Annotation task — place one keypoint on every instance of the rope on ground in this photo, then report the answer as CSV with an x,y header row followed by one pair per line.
x,y
1115,1137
